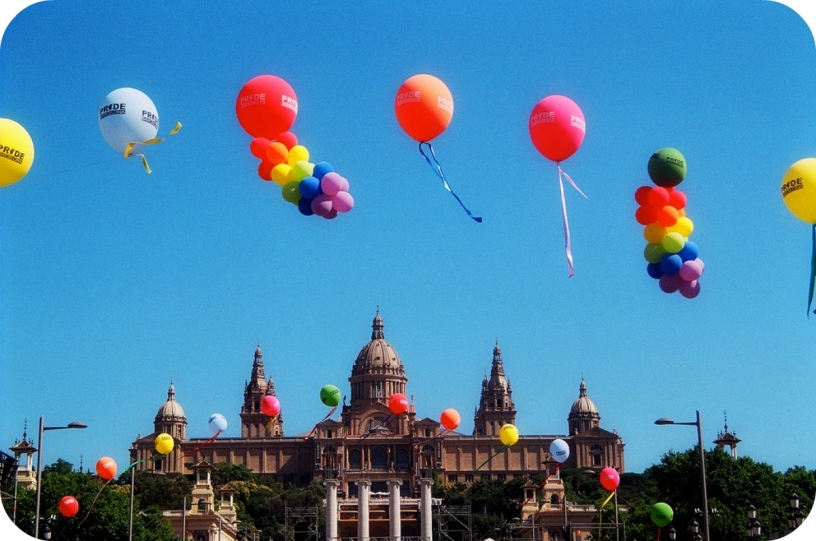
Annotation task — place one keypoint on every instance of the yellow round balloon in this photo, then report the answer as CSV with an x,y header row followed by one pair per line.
x,y
16,152
684,226
508,434
280,173
164,443
654,233
298,153
799,190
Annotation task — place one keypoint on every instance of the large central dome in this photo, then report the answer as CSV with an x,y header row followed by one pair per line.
x,y
377,357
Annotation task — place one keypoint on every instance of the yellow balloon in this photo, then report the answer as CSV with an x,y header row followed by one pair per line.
x,y
164,443
799,190
280,173
16,152
298,153
684,226
508,434
654,233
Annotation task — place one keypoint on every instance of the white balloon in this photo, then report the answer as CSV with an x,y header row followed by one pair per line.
x,y
559,449
127,116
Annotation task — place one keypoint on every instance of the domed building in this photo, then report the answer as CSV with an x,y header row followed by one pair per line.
x,y
369,451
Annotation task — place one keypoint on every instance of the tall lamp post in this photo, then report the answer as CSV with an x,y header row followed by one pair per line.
x,y
796,517
699,424
754,527
75,424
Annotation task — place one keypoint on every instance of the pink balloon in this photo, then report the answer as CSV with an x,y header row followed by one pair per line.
x,y
331,183
690,289
691,270
344,186
331,215
669,283
342,201
557,127
610,479
322,205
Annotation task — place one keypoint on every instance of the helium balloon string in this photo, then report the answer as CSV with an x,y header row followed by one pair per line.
x,y
568,245
812,272
502,448
191,453
271,420
94,502
154,141
65,527
367,434
320,421
437,168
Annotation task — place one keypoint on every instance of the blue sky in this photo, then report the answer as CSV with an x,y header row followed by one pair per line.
x,y
113,281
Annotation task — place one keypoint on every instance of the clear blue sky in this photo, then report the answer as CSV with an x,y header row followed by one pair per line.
x,y
113,281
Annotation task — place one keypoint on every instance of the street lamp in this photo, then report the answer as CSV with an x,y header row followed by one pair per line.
x,y
796,517
672,534
754,528
695,529
75,424
699,424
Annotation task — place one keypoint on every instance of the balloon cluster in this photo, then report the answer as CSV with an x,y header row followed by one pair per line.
x,y
672,258
266,109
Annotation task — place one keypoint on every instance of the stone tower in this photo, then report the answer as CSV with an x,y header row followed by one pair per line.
x,y
496,406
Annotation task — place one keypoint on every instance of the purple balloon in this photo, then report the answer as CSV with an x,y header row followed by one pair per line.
x,y
342,201
690,289
322,205
691,270
331,215
669,283
331,183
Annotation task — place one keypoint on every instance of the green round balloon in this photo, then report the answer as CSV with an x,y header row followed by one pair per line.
x,y
290,192
330,395
662,514
667,167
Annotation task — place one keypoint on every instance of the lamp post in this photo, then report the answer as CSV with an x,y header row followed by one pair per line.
x,y
695,529
754,528
796,517
699,424
672,534
75,424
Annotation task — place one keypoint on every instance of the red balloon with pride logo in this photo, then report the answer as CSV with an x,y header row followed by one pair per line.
x,y
266,106
610,479
424,107
398,403
557,127
68,506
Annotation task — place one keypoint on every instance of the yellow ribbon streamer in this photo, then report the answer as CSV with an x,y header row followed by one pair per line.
x,y
155,141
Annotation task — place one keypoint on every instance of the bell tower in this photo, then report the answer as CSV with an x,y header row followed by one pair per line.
x,y
254,422
496,406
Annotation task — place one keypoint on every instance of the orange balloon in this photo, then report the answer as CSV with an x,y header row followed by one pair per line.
x,y
424,107
106,468
450,419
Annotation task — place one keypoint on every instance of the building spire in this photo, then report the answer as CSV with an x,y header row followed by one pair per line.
x,y
377,327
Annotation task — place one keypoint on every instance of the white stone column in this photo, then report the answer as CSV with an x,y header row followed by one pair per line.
x,y
362,509
331,508
426,516
394,510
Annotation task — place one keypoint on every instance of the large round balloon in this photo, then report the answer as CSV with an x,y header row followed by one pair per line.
x,y
424,107
662,514
127,116
799,190
164,443
508,434
270,405
16,152
559,449
217,423
450,419
106,468
667,167
68,506
398,403
610,479
266,106
557,127
330,395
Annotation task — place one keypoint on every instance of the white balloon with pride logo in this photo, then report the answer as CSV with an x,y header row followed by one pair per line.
x,y
127,116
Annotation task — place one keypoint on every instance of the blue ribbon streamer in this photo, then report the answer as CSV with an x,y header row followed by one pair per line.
x,y
437,168
812,272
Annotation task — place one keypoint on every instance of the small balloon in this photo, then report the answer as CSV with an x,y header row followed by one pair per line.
x,y
68,506
677,199
398,403
673,242
280,173
667,216
330,395
684,226
689,251
610,479
690,289
331,183
309,187
127,116
298,153
305,206
276,153
265,170
646,215
106,468
508,435
291,192
662,514
691,270
288,139
653,252
217,423
450,419
654,270
321,204
258,147
654,233
270,405
320,169
164,443
342,201
559,450
671,263
658,197
669,283
642,195
302,169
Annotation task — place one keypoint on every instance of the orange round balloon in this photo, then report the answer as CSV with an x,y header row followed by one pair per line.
x,y
450,419
424,107
106,468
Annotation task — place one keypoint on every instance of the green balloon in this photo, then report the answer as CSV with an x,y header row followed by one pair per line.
x,y
667,167
291,193
653,252
662,514
330,395
673,242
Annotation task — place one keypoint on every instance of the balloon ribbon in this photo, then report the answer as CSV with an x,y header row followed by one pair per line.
x,y
542,483
600,512
502,448
191,453
310,434
154,141
367,434
271,420
92,504
568,247
812,272
66,526
437,168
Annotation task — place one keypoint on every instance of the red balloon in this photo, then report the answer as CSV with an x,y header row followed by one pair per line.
x,y
106,468
68,506
645,215
424,107
610,479
450,419
398,403
642,195
265,170
667,216
258,147
557,127
266,106
270,405
288,139
677,199
658,197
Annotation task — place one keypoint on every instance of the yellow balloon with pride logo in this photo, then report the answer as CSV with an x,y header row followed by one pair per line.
x,y
508,434
799,190
164,443
16,152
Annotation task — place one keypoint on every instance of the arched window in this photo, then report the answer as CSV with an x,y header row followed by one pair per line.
x,y
355,459
596,452
379,459
554,500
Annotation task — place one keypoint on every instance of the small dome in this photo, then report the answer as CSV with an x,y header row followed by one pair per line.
x,y
583,404
170,410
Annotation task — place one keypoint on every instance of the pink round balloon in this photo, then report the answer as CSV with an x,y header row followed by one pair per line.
x,y
342,201
270,405
331,215
691,270
690,289
344,185
331,183
322,205
557,127
669,283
